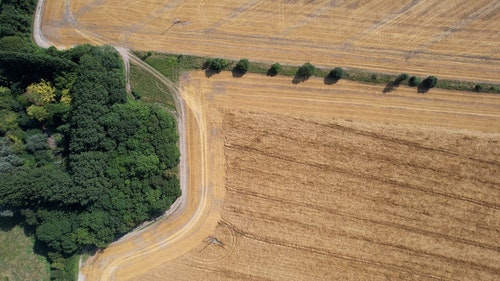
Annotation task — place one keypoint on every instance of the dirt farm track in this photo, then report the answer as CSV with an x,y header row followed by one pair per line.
x,y
312,181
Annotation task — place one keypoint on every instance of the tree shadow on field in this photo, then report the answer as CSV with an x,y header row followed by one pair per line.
x,y
299,79
271,72
330,80
236,73
210,72
391,86
394,84
422,88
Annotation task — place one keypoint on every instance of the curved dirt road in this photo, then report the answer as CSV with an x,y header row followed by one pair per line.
x,y
37,26
192,217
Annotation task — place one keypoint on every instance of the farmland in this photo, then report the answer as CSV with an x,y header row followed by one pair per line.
x,y
312,181
450,39
351,185
345,193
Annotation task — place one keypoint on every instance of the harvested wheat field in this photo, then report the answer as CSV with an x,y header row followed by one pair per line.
x,y
312,181
454,39
336,182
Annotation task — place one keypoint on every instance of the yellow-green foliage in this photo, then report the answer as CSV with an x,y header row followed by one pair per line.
x,y
4,90
37,112
9,121
17,144
40,93
65,97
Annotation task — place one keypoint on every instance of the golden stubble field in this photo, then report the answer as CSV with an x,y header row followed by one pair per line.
x,y
455,39
339,182
315,181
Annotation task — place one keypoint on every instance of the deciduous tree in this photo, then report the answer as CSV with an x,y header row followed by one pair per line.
x,y
38,112
274,69
337,73
242,66
305,71
430,82
41,93
414,81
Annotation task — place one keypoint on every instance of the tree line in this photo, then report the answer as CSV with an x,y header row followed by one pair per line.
x,y
305,71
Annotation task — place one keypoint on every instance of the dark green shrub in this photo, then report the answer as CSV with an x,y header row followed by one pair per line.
x,y
402,77
478,88
337,73
145,55
305,71
430,82
217,64
414,81
242,66
274,70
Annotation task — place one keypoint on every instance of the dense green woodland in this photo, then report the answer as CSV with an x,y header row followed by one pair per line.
x,y
82,162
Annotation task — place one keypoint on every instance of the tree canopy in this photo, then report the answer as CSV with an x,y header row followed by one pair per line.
x,y
337,73
430,82
414,81
274,69
242,66
304,72
79,161
216,64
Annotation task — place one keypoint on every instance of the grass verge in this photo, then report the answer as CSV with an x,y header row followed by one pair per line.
x,y
146,88
18,260
171,65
